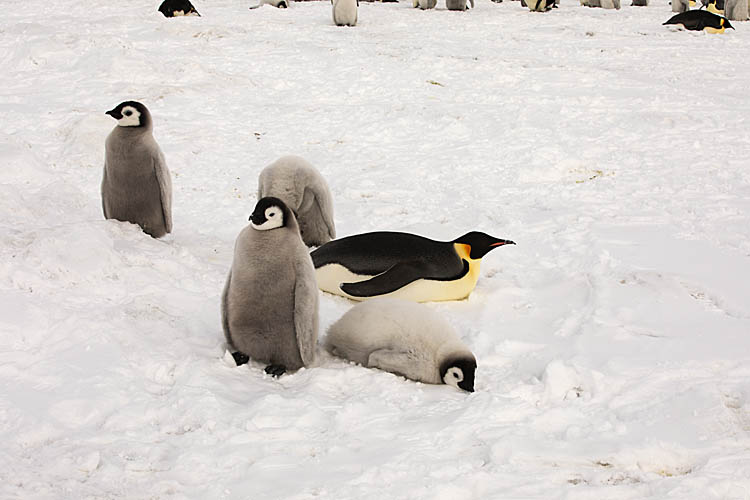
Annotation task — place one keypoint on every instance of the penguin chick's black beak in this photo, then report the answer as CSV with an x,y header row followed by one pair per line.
x,y
257,218
114,114
500,243
466,387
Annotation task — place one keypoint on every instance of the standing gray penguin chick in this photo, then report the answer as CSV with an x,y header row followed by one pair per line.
x,y
345,12
269,307
405,338
136,186
298,184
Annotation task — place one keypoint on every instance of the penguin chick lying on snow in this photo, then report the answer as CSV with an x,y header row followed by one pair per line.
x,y
405,338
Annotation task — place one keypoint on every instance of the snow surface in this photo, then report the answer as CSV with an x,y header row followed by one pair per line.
x,y
613,341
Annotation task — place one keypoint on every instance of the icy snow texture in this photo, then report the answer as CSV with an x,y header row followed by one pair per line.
x,y
613,341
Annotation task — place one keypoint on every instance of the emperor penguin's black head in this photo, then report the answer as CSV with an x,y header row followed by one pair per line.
x,y
458,371
481,243
269,213
725,23
131,114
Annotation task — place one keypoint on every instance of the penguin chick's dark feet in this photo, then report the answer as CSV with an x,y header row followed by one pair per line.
x,y
276,370
240,358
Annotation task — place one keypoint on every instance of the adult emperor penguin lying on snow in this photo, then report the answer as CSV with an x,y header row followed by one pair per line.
x,y
698,20
402,265
405,338
269,308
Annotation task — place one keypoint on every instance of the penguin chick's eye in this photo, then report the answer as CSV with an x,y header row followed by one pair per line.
x,y
128,113
455,375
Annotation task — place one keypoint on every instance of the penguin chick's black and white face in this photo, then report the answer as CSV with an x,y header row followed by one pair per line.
x,y
481,243
459,372
269,213
128,114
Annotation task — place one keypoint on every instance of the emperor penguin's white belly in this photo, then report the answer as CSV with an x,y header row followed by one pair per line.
x,y
345,12
330,276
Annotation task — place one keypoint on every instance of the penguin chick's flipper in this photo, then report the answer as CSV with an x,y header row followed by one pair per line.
x,y
240,358
397,276
390,360
165,189
306,313
275,370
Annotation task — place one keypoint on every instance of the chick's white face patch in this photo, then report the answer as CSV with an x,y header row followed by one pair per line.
x,y
130,117
274,219
453,376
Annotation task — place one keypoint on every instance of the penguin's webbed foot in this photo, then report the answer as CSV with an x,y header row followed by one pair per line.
x,y
240,358
275,370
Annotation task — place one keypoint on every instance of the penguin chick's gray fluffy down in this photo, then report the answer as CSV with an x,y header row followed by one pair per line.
x,y
736,10
269,307
405,338
298,184
136,186
345,12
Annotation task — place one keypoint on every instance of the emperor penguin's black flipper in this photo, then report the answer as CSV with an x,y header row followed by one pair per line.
x,y
397,276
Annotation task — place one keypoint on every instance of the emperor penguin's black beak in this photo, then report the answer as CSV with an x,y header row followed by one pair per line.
x,y
500,243
114,114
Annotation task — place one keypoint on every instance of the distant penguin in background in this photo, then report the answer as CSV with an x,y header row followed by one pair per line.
x,y
699,20
540,5
345,12
457,4
299,184
680,5
402,265
176,8
405,338
736,10
639,3
424,4
269,307
136,185
604,4
279,4
715,6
